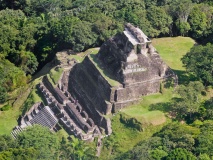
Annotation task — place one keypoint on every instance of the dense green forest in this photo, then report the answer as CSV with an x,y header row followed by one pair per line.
x,y
32,31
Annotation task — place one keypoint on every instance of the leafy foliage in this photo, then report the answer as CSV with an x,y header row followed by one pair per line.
x,y
38,142
200,62
205,139
189,101
180,153
40,138
11,77
175,141
3,94
33,31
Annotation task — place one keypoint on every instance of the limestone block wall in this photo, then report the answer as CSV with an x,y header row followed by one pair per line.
x,y
90,87
137,90
72,111
76,91
102,85
122,104
113,54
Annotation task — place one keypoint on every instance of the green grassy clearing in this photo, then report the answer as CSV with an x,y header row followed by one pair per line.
x,y
8,119
171,50
55,74
124,138
142,111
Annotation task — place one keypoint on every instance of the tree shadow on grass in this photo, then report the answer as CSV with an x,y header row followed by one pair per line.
x,y
164,107
45,70
185,77
168,83
27,104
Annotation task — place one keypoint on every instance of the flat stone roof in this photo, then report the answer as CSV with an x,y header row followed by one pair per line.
x,y
135,35
131,37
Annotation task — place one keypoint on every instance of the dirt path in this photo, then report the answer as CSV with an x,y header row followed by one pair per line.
x,y
99,146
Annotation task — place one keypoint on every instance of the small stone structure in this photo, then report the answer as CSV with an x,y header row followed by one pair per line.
x,y
84,95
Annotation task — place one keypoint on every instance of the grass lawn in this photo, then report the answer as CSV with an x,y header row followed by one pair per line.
x,y
172,49
80,56
124,138
8,119
142,110
55,74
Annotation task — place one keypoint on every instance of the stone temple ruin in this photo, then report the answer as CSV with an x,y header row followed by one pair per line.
x,y
126,67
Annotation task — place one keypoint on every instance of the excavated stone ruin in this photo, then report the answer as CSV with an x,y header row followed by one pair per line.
x,y
84,94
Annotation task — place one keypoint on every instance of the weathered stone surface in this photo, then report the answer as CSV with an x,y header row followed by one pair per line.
x,y
131,57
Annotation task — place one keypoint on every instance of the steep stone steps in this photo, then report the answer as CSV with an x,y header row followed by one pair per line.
x,y
72,112
45,117
75,90
16,131
68,109
91,90
72,128
56,92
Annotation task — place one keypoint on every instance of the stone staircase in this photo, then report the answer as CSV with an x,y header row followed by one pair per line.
x,y
38,114
70,113
16,131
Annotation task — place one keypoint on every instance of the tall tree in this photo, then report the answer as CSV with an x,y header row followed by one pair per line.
x,y
200,62
180,153
11,77
205,139
159,20
42,139
17,39
180,9
83,36
189,101
198,22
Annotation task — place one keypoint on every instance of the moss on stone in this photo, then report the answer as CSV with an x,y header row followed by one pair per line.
x,y
110,79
